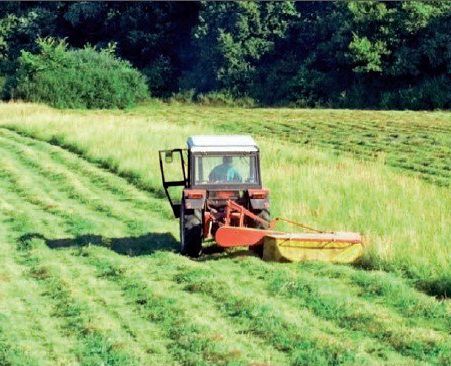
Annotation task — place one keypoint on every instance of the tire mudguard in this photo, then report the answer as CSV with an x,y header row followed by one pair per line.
x,y
194,203
194,198
259,203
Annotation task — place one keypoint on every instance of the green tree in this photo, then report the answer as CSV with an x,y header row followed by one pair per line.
x,y
230,40
358,54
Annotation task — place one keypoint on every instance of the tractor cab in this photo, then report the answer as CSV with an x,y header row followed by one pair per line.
x,y
223,162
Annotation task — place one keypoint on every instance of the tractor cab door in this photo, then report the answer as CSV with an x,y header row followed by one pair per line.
x,y
173,166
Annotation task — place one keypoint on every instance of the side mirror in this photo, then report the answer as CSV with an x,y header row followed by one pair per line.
x,y
168,157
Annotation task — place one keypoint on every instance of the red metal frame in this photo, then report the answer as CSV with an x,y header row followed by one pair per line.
x,y
241,212
233,232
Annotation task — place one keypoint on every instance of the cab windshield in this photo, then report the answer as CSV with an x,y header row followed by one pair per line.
x,y
225,169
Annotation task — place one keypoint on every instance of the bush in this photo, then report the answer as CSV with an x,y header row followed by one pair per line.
x,y
84,78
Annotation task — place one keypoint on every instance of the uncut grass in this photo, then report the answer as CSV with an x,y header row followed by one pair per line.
x,y
405,221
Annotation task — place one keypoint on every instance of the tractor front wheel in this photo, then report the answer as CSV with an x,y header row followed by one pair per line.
x,y
190,231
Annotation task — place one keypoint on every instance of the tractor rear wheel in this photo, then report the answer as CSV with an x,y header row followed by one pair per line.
x,y
190,231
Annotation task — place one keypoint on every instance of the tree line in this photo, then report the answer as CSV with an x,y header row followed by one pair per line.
x,y
349,54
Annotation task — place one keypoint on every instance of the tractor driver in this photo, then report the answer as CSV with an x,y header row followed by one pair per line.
x,y
225,172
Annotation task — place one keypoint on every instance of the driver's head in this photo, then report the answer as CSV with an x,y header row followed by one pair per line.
x,y
227,160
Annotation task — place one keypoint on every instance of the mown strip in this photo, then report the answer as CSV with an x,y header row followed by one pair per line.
x,y
262,317
27,320
334,301
90,174
59,179
194,342
131,177
10,354
95,347
30,238
389,290
75,200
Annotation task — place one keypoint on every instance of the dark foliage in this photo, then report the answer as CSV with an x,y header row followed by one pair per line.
x,y
340,54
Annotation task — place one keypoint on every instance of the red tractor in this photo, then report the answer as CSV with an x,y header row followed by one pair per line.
x,y
220,196
222,187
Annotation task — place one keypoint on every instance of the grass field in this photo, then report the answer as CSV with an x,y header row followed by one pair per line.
x,y
89,272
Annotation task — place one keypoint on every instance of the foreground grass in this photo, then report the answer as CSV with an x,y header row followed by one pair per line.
x,y
89,276
404,219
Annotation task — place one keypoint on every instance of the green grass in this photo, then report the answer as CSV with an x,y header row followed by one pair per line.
x,y
89,273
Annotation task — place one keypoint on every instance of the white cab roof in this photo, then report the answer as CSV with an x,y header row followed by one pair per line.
x,y
222,143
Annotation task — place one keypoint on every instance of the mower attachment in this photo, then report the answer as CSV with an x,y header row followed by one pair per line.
x,y
336,247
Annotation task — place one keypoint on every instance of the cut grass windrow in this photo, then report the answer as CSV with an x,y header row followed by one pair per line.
x,y
27,328
88,184
351,313
94,347
99,177
388,290
344,310
64,220
81,194
10,353
196,337
25,218
399,321
93,311
106,164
